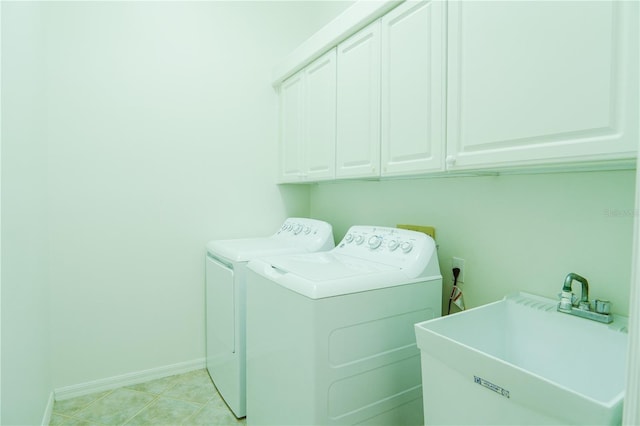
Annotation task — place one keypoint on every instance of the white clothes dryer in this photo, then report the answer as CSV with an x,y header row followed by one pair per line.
x,y
330,336
226,263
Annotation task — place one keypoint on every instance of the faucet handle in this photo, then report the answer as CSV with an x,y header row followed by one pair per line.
x,y
567,300
602,306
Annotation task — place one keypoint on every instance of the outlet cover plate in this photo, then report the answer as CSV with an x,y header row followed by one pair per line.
x,y
457,262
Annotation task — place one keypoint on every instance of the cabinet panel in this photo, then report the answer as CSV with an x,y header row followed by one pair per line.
x,y
291,128
358,103
413,76
320,112
540,82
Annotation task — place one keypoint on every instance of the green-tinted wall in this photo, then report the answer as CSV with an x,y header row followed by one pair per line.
x,y
515,232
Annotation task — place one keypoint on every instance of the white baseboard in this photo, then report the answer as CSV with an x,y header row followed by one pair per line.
x,y
46,419
128,379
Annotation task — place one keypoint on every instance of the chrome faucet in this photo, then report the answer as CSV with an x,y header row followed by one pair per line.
x,y
569,304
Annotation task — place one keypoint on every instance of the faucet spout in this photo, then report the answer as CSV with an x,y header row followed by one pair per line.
x,y
584,295
566,304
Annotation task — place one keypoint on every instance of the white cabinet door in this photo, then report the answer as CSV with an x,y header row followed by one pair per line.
x,y
413,93
358,98
308,122
291,128
320,118
537,82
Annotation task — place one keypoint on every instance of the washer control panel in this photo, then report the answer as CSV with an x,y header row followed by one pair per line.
x,y
307,231
392,246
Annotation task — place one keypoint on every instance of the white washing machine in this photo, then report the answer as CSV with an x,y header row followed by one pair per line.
x,y
330,336
226,264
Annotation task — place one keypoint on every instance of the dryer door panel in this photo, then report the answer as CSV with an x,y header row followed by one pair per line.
x,y
220,309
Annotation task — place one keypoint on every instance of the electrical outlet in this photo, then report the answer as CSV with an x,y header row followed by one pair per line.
x,y
457,262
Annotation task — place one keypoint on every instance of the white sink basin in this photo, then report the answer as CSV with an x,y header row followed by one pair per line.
x,y
519,361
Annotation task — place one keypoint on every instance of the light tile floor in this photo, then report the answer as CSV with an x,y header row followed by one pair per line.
x,y
188,399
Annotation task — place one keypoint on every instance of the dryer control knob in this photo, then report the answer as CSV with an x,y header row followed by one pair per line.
x,y
374,242
307,230
297,229
393,244
406,246
348,238
359,239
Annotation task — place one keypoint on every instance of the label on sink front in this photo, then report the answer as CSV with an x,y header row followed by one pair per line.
x,y
492,386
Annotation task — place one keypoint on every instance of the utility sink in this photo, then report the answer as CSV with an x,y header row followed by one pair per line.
x,y
519,361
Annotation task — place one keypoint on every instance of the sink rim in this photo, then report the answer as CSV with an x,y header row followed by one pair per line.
x,y
619,325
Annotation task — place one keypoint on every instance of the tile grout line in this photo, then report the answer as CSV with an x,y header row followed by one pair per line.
x,y
81,420
193,415
73,416
157,394
162,394
155,398
95,422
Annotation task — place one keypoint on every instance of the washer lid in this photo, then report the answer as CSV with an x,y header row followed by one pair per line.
x,y
327,266
321,275
243,250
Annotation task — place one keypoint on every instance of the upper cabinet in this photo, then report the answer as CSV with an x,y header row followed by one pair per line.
x,y
358,100
541,82
413,89
432,86
391,104
308,122
291,128
320,118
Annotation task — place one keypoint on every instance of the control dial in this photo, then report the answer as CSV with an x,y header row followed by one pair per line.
x,y
359,239
393,244
348,238
406,246
297,229
374,242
